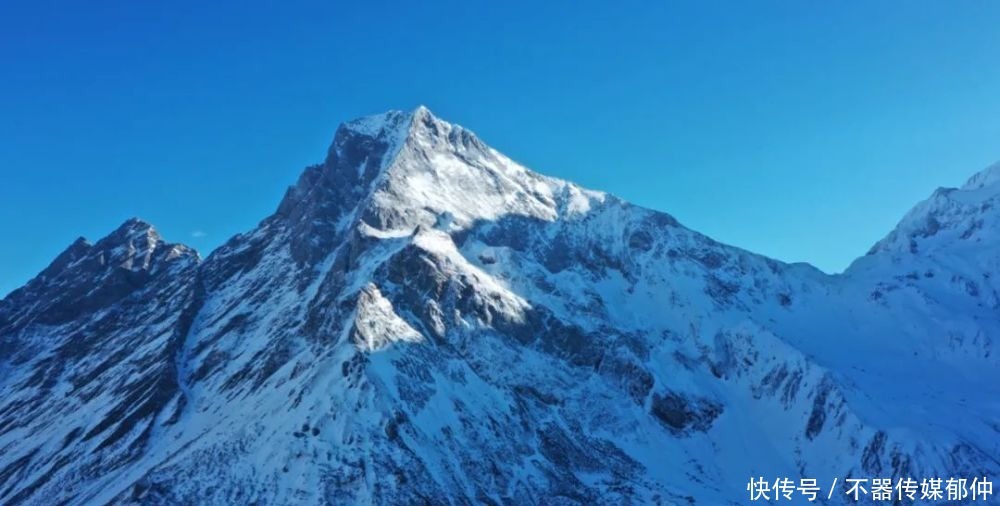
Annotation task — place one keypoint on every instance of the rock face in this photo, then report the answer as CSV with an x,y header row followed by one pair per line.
x,y
425,321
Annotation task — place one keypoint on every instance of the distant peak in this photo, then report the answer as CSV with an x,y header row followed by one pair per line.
x,y
135,223
986,177
949,218
132,229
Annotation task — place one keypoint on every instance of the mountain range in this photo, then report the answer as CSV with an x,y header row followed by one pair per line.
x,y
425,321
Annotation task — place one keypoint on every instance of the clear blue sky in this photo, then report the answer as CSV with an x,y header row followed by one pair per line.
x,y
802,130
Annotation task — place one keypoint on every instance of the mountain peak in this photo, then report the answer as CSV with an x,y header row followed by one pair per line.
x,y
986,177
89,276
950,219
364,159
437,168
393,122
131,234
398,170
376,124
380,137
134,229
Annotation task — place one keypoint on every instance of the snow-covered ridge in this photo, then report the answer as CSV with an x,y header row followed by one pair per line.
x,y
434,169
950,218
986,177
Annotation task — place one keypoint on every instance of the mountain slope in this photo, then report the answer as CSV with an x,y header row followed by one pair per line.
x,y
423,320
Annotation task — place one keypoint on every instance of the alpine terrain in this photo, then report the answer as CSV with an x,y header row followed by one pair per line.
x,y
424,321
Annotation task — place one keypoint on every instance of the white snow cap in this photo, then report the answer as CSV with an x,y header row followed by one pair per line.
x,y
435,168
389,121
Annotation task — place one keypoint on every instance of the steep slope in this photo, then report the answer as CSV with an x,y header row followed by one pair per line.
x,y
423,320
87,355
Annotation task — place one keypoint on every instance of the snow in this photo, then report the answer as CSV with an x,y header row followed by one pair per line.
x,y
374,124
378,325
986,177
440,168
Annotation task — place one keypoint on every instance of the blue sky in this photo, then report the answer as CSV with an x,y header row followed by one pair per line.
x,y
801,130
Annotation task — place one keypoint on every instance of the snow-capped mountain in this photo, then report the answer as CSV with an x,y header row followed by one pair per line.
x,y
423,320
